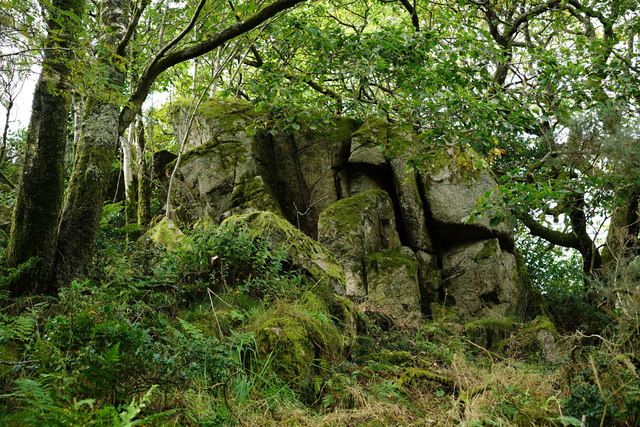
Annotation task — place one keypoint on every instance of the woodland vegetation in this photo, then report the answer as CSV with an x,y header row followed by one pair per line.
x,y
98,329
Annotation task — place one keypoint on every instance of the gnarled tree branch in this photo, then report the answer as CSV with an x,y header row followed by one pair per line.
x,y
163,63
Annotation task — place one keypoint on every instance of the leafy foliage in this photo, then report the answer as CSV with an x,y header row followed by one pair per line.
x,y
230,258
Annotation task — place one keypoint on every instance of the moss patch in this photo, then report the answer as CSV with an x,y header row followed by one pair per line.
x,y
226,153
217,108
391,260
395,358
489,249
464,163
416,376
346,214
254,194
534,341
295,335
8,353
165,234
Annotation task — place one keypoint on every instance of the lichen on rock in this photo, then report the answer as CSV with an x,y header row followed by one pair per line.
x,y
392,281
454,181
481,280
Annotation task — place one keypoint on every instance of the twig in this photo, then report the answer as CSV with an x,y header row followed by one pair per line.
x,y
23,362
488,352
214,313
216,295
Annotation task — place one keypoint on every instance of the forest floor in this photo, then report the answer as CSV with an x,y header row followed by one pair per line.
x,y
152,340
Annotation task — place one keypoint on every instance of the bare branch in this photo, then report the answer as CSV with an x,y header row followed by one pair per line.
x,y
120,50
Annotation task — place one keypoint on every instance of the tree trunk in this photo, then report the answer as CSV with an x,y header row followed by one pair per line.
x,y
5,131
95,154
622,239
144,185
131,212
37,211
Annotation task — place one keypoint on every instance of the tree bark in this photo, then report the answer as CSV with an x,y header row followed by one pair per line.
x,y
99,134
578,238
37,211
144,184
95,154
127,170
5,131
622,239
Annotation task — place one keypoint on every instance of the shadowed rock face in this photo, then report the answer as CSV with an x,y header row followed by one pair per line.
x,y
399,234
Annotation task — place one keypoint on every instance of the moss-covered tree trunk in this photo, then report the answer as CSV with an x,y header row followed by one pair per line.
x,y
95,154
35,219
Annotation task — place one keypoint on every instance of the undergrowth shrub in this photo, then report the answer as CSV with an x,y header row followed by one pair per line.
x,y
228,257
106,345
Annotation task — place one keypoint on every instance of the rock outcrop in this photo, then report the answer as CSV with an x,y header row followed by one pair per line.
x,y
400,234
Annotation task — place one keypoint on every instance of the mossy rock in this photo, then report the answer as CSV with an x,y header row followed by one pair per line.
x,y
354,227
253,195
369,141
538,340
165,234
455,179
217,119
392,281
346,215
377,140
321,269
298,336
461,164
481,280
417,377
227,154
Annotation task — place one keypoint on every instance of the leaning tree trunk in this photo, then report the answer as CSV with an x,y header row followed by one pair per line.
x,y
95,154
35,218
